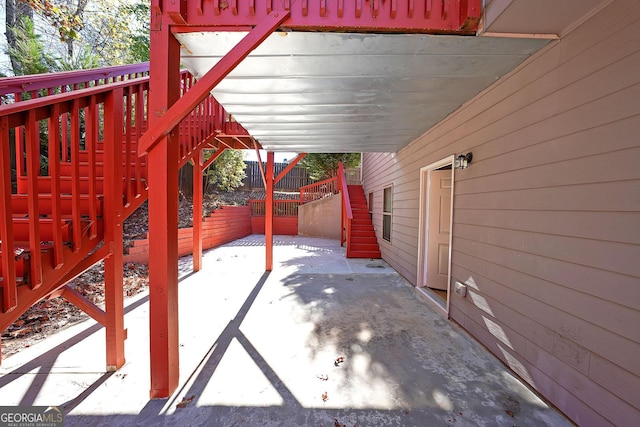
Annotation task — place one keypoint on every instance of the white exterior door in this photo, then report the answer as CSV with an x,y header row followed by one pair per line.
x,y
439,228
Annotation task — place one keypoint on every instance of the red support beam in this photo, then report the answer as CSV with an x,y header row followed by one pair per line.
x,y
75,298
113,217
290,166
70,269
197,210
162,161
212,159
175,113
268,219
260,165
75,267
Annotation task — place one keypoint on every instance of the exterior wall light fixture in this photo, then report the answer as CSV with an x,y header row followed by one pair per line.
x,y
463,160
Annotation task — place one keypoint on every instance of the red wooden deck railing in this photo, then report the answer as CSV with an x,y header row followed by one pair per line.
x,y
37,85
70,173
287,207
319,190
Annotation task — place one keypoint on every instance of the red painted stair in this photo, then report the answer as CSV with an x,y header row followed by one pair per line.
x,y
363,240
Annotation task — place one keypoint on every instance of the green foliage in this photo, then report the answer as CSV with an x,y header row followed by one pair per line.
x,y
94,33
226,172
117,31
325,165
139,18
84,60
29,53
62,16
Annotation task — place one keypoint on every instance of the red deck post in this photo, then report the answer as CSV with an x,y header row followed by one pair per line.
x,y
113,217
268,219
161,143
10,288
197,211
164,91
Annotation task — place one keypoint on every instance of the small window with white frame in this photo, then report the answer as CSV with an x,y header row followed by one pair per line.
x,y
387,203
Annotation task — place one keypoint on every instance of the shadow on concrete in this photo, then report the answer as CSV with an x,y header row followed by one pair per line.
x,y
404,365
45,362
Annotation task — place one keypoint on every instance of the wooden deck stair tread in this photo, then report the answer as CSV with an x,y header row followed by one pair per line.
x,y
20,203
21,229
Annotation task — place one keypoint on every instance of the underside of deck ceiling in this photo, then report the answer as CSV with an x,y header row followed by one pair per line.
x,y
351,92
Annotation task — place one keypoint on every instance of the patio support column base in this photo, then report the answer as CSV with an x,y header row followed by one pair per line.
x,y
163,268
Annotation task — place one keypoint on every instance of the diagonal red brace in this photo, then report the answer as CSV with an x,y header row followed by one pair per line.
x,y
291,165
264,178
203,87
212,159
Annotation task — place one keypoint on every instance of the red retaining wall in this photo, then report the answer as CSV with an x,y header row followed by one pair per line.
x,y
285,225
221,226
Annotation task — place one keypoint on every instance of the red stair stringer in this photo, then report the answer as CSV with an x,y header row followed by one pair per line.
x,y
54,279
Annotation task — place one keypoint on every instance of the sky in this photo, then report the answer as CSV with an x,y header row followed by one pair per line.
x,y
279,157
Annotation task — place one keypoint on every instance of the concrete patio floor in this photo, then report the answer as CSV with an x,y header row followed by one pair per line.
x,y
258,349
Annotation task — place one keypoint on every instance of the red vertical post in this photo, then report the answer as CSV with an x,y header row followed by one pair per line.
x,y
197,210
162,160
54,173
9,286
268,219
113,217
33,172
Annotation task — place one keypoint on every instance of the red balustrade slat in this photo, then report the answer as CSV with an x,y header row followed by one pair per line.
x,y
19,147
54,173
65,137
128,142
33,172
91,122
75,176
138,131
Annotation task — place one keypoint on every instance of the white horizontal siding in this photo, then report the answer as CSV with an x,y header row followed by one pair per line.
x,y
546,227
